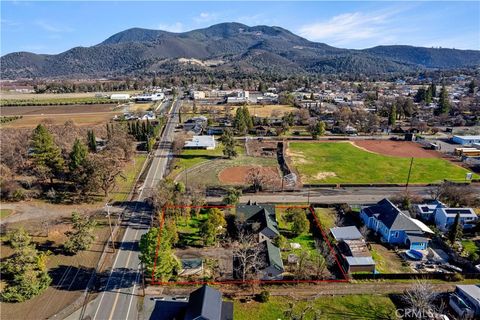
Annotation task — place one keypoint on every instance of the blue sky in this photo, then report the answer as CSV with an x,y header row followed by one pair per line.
x,y
53,27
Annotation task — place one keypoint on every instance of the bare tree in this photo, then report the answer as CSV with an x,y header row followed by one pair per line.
x,y
248,255
364,231
107,168
420,298
257,179
453,194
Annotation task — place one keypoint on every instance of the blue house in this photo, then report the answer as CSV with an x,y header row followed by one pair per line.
x,y
396,227
445,217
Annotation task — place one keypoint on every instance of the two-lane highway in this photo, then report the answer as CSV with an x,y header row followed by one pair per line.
x,y
118,299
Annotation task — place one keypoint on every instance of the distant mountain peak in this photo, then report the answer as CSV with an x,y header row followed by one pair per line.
x,y
241,48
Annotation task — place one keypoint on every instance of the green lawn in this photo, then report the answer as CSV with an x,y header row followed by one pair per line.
x,y
305,240
207,174
470,247
189,231
125,183
327,307
5,213
332,162
326,217
192,157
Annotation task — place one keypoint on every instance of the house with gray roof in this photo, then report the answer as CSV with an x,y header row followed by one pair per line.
x,y
205,303
395,226
445,217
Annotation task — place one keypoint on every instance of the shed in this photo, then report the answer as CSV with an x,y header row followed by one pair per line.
x,y
360,264
346,233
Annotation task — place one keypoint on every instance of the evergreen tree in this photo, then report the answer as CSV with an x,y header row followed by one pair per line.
x,y
471,86
443,102
25,271
78,155
81,237
166,262
228,142
46,154
455,231
392,117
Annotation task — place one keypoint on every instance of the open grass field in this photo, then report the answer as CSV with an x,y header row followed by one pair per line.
x,y
86,119
340,162
5,213
125,183
6,95
326,216
273,110
326,307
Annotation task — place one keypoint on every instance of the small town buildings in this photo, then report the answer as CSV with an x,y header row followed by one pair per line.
x,y
196,124
120,96
445,217
204,303
466,140
396,227
201,142
150,97
465,301
426,211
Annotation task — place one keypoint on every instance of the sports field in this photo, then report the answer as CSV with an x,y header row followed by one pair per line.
x,y
342,162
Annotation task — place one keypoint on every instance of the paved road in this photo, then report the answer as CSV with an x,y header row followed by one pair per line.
x,y
351,195
118,299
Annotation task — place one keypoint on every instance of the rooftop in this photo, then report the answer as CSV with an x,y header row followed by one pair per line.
x,y
346,233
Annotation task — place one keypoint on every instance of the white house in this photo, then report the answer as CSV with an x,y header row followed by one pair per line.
x,y
120,96
201,142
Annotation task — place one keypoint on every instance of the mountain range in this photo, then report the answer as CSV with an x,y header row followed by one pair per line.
x,y
230,48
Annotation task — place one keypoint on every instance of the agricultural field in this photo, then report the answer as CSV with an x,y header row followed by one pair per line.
x,y
84,115
327,307
343,162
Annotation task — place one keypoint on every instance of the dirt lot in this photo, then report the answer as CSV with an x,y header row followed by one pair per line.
x,y
68,109
261,148
238,175
274,110
80,119
396,148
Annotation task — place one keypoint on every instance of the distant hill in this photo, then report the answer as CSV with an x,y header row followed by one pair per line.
x,y
227,47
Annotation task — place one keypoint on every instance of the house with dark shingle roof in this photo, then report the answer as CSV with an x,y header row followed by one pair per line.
x,y
395,226
205,303
273,263
260,217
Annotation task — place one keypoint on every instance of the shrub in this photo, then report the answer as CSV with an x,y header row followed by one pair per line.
x,y
263,296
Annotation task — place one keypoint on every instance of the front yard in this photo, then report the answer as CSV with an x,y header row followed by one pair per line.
x,y
326,307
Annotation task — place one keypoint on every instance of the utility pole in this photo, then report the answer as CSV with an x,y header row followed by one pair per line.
x,y
110,224
409,172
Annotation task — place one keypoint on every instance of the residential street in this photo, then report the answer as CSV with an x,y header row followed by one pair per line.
x,y
350,195
118,297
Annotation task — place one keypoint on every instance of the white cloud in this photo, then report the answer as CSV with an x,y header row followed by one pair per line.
x,y
354,27
173,27
47,26
207,17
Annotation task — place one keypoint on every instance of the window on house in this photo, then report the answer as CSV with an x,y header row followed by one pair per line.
x,y
396,234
